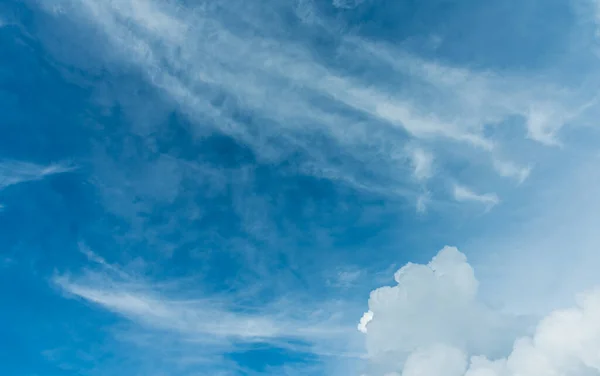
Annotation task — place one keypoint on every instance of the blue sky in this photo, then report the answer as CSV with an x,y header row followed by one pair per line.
x,y
299,187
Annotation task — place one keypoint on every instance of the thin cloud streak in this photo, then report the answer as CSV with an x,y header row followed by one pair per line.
x,y
480,99
193,58
214,321
15,172
465,194
195,317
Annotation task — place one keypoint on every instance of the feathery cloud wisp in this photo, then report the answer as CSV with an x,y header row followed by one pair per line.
x,y
217,322
298,96
422,162
15,172
465,194
511,170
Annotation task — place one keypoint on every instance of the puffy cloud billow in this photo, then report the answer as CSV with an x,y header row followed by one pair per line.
x,y
432,323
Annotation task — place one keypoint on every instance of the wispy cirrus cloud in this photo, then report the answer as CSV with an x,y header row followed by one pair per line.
x,y
219,324
512,170
422,162
465,194
345,277
472,100
195,317
15,172
296,96
347,4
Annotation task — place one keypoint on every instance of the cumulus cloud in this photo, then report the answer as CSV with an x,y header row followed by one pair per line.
x,y
15,172
364,320
436,360
432,323
465,194
432,304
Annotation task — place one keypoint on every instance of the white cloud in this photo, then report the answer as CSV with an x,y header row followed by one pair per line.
x,y
437,360
566,343
432,304
193,318
553,227
281,82
15,172
364,321
422,162
346,277
347,4
479,99
465,194
543,123
216,324
511,170
173,315
422,202
190,55
432,323
93,257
